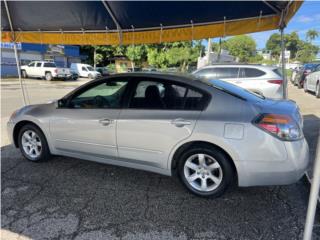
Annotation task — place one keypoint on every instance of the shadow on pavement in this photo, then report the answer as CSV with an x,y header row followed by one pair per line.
x,y
66,198
311,130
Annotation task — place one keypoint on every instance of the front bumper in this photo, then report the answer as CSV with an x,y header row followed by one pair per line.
x,y
10,127
259,173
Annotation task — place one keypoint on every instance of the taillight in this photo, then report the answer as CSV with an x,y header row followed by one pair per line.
x,y
55,70
279,125
306,72
275,81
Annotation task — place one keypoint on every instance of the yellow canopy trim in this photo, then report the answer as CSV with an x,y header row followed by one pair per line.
x,y
155,36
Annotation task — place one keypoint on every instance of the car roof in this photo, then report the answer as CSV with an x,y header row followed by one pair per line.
x,y
238,65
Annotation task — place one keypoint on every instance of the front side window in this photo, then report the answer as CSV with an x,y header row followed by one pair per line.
x,y
39,64
31,64
167,96
103,95
84,69
90,68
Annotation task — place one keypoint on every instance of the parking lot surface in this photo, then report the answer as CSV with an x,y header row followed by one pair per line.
x,y
66,198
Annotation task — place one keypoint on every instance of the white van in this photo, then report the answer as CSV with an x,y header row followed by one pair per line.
x,y
84,70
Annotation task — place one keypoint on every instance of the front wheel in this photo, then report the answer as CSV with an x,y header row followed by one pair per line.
x,y
205,171
33,144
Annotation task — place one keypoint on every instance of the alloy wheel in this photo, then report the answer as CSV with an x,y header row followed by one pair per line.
x,y
203,172
31,144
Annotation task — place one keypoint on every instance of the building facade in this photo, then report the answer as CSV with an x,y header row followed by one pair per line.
x,y
62,55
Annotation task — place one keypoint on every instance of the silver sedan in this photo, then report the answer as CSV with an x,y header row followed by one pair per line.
x,y
209,133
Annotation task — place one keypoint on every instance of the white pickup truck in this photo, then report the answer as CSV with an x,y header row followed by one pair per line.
x,y
46,70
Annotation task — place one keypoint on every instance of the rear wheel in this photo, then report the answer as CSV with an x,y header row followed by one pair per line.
x,y
205,171
305,87
33,144
318,90
24,74
48,76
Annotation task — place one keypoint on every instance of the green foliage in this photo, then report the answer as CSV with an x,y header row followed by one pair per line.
x,y
136,54
299,49
243,47
311,35
307,52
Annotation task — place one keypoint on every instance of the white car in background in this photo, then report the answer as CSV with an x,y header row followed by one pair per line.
x,y
263,80
84,70
46,70
312,82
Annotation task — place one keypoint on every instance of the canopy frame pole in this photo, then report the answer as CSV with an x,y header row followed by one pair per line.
x,y
283,65
114,19
313,197
15,53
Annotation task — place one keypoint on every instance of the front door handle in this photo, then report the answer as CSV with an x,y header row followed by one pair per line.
x,y
179,122
105,121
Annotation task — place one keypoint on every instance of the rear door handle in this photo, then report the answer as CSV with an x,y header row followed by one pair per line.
x,y
179,122
105,121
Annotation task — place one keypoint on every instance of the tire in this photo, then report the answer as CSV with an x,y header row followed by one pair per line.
x,y
24,74
318,90
305,87
29,137
189,167
48,76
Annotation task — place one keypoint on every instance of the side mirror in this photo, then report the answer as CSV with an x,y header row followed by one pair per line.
x,y
62,103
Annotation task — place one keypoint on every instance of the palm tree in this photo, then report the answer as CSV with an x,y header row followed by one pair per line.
x,y
312,34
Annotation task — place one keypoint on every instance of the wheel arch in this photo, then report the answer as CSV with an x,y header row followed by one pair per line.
x,y
183,147
18,127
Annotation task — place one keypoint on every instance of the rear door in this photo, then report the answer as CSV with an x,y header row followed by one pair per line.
x,y
159,115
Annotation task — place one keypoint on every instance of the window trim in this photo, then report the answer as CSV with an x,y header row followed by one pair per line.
x,y
136,79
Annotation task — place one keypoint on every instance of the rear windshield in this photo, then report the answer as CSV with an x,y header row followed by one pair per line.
x,y
309,66
277,71
236,91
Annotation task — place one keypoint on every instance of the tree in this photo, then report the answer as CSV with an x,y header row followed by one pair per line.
x,y
311,35
136,54
292,43
274,45
307,52
243,47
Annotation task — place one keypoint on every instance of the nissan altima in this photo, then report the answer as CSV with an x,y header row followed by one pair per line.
x,y
209,133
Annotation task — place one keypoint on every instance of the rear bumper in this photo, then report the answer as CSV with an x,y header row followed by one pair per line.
x,y
258,173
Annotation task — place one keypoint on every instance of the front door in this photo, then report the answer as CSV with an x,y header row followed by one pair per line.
x,y
87,125
159,115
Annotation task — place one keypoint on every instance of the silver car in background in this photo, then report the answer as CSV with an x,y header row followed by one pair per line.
x,y
263,80
209,133
312,82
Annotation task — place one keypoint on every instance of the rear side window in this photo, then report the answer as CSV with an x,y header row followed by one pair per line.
x,y
219,72
160,95
49,65
251,72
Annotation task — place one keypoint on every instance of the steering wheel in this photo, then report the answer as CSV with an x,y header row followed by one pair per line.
x,y
100,101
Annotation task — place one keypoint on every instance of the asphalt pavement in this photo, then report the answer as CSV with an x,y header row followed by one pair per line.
x,y
66,198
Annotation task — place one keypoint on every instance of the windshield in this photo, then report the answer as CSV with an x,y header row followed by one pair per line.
x,y
236,91
90,68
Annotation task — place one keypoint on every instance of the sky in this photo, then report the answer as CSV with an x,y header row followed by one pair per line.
x,y
307,17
